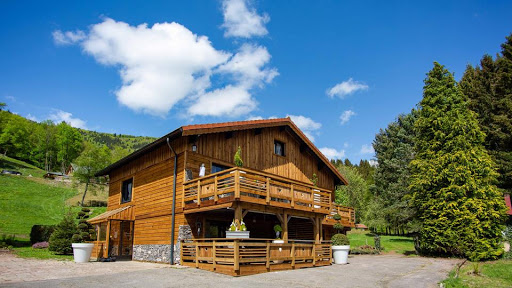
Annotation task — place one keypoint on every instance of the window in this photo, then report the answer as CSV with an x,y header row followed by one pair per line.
x,y
279,148
217,168
126,191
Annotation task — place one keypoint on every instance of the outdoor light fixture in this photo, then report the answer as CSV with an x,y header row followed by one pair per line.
x,y
194,147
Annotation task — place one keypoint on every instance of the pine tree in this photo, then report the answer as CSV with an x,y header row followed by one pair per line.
x,y
60,240
489,89
452,176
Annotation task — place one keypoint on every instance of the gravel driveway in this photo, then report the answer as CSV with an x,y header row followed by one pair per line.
x,y
363,271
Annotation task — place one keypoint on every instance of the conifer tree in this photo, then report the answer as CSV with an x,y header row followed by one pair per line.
x,y
453,177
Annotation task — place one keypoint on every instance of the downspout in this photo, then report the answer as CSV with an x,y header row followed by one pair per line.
x,y
173,200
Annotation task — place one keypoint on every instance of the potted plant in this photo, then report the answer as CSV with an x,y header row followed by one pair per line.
x,y
237,231
340,248
278,230
81,250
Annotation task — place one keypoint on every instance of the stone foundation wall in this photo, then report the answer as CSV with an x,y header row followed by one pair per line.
x,y
161,253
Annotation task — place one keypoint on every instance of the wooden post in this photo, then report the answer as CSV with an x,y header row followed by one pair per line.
x,y
214,258
313,251
316,230
293,195
238,215
268,190
107,243
285,227
237,184
198,192
215,196
197,254
293,255
237,256
267,264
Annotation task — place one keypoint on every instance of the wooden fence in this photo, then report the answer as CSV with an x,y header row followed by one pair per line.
x,y
250,256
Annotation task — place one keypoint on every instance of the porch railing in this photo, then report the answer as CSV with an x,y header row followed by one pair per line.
x,y
222,254
256,187
348,215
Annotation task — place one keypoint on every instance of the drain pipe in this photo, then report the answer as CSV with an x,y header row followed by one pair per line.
x,y
173,200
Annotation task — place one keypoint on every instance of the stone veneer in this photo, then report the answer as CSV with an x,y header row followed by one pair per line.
x,y
161,253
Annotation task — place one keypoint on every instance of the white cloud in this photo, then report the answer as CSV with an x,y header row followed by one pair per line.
x,y
67,38
167,64
367,149
231,100
32,118
346,88
242,20
346,115
332,153
260,118
307,125
58,116
373,162
248,66
345,145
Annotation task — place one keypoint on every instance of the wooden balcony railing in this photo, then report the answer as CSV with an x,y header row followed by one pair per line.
x,y
348,215
251,256
255,187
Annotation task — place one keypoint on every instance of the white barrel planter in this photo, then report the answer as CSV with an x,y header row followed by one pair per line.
x,y
237,234
340,253
82,252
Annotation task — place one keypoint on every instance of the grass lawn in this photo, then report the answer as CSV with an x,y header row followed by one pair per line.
x,y
28,252
26,201
493,274
393,244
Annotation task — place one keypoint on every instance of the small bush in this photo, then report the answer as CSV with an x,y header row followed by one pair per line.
x,y
40,245
336,217
41,233
278,228
340,239
60,240
7,241
365,249
238,157
338,227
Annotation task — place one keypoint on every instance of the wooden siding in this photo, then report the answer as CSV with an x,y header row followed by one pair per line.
x,y
258,154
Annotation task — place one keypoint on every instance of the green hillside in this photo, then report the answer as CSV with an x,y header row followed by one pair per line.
x,y
28,200
119,141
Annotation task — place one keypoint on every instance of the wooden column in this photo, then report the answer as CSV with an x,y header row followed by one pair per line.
x,y
215,196
238,214
107,242
285,227
237,184
316,230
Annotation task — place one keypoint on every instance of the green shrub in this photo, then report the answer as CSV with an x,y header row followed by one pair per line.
x,y
85,231
60,240
41,233
340,239
7,241
238,157
336,217
338,227
277,228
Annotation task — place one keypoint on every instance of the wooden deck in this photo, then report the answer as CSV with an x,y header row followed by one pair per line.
x,y
238,257
348,216
246,185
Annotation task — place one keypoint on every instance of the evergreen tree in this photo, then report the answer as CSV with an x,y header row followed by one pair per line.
x,y
60,240
489,89
394,150
452,176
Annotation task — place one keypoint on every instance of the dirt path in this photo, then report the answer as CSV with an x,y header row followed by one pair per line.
x,y
363,271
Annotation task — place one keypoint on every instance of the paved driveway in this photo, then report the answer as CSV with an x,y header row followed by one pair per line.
x,y
363,271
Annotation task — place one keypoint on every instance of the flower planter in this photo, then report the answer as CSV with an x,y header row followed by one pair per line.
x,y
340,253
82,252
237,234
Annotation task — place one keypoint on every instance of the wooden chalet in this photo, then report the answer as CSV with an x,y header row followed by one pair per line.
x,y
148,212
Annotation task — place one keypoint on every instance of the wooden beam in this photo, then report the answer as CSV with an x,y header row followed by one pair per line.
x,y
238,215
285,228
244,213
237,184
237,256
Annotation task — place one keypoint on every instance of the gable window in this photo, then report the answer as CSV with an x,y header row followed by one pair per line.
x,y
217,168
279,148
126,191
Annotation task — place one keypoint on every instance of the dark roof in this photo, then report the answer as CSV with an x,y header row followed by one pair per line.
x,y
224,127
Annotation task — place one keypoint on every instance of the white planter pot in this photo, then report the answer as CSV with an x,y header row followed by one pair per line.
x,y
340,254
82,252
237,234
280,249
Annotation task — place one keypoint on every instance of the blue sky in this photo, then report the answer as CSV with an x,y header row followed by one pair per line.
x,y
341,69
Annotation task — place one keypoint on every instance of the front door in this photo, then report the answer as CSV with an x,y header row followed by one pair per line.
x,y
121,239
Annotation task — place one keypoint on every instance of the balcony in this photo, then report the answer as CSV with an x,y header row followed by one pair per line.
x,y
348,215
238,257
246,185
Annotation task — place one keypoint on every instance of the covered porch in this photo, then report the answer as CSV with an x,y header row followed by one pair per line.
x,y
114,232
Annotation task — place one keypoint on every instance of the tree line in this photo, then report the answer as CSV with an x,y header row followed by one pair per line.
x,y
444,167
